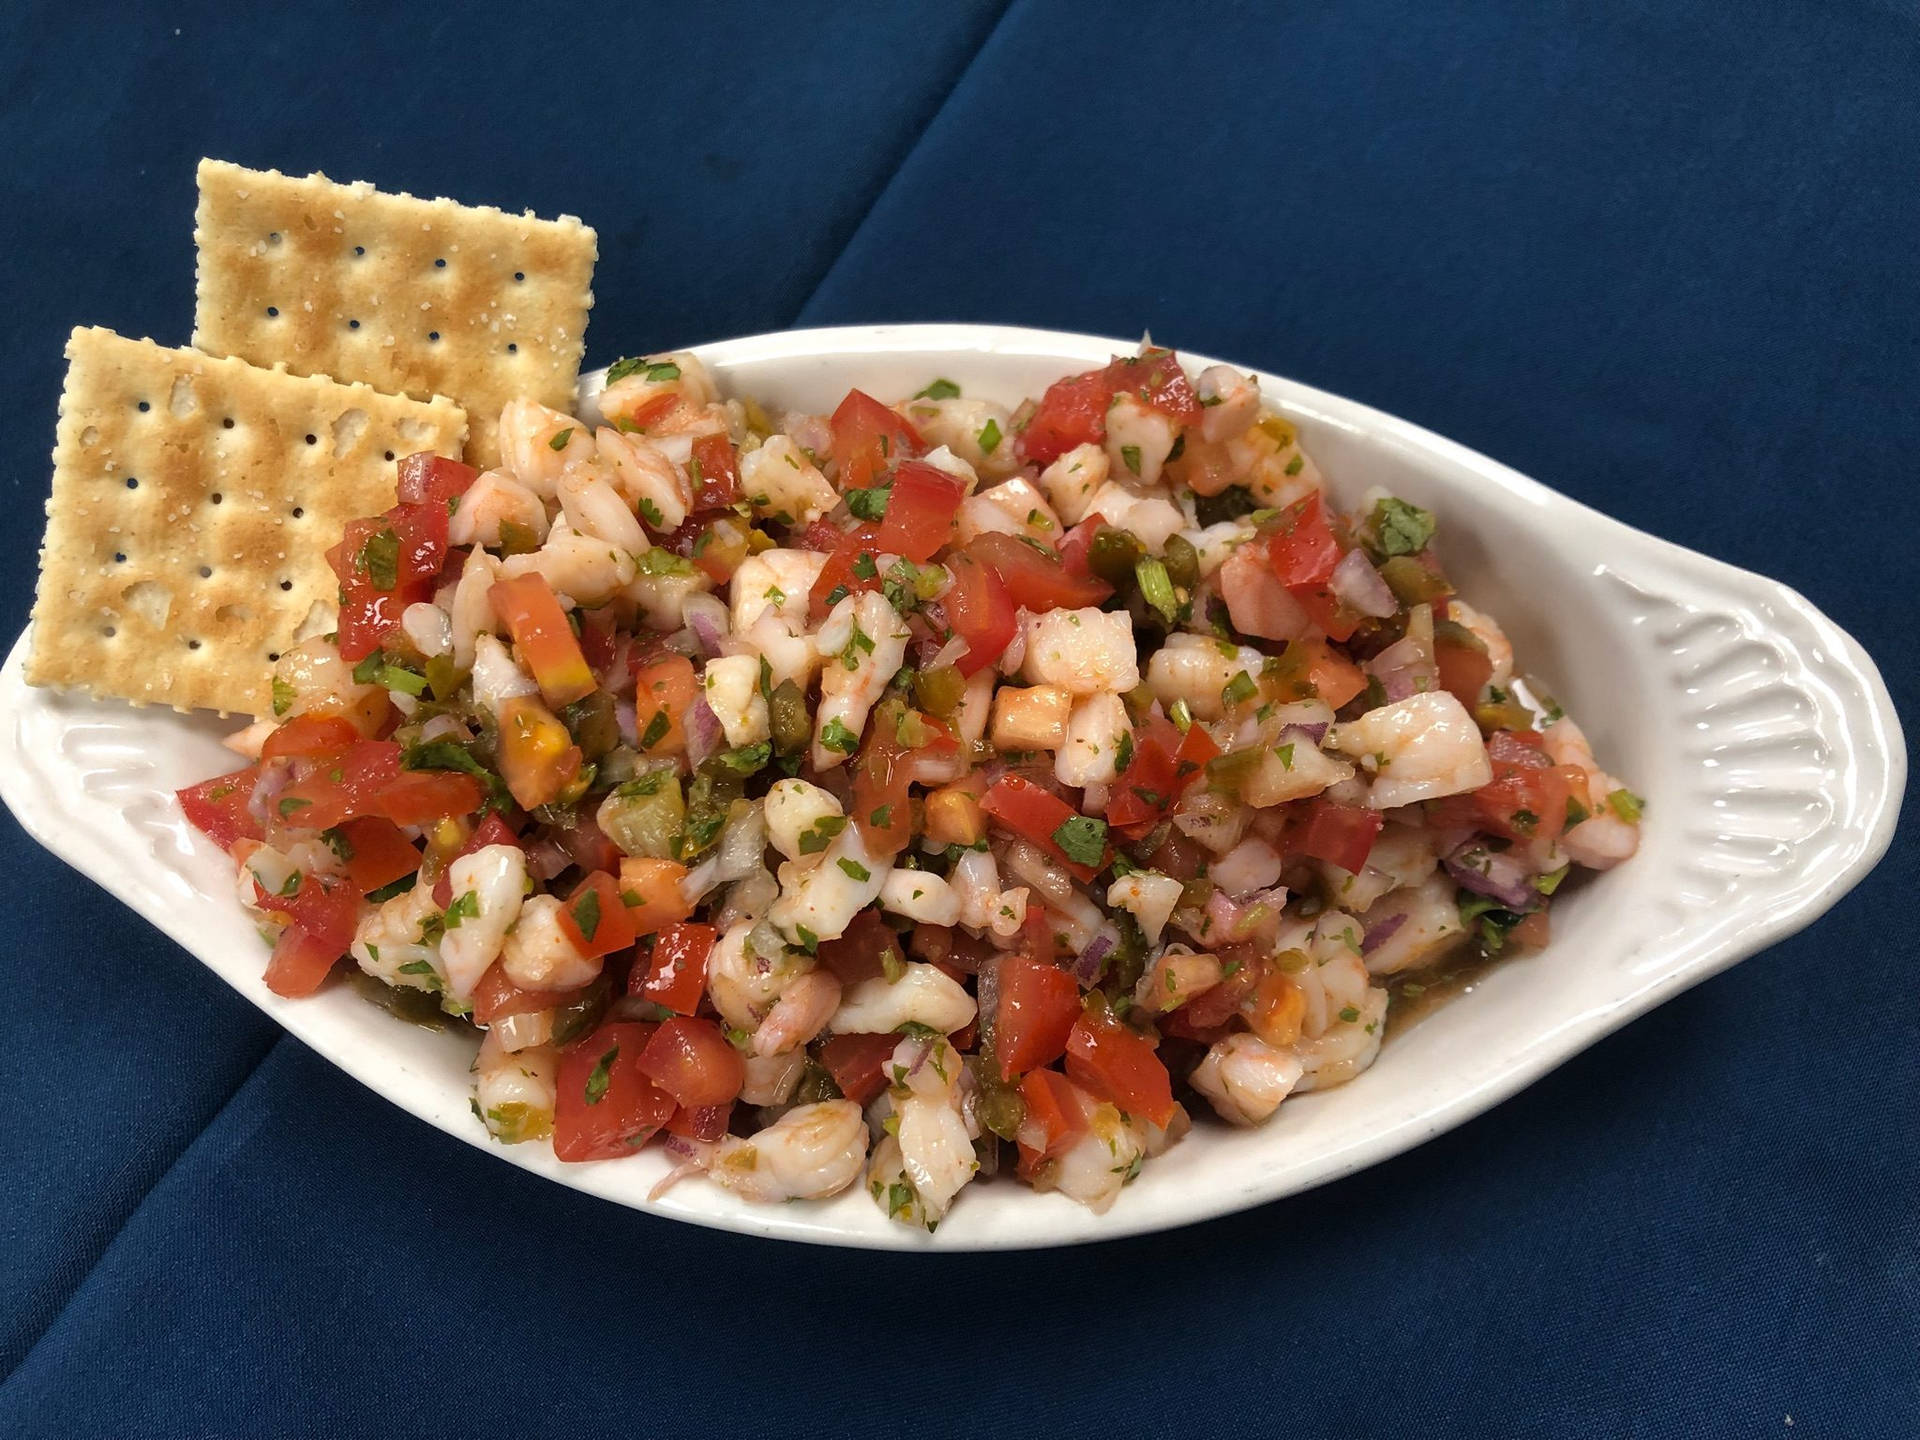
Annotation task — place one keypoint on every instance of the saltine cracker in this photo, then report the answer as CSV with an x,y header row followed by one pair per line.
x,y
414,297
194,499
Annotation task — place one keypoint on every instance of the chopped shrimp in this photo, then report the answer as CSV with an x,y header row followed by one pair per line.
x,y
1419,748
487,888
312,679
798,809
679,374
920,895
1232,402
1402,855
1015,507
810,1152
515,1090
732,686
537,445
807,1002
935,1152
642,476
1604,838
1346,1047
494,500
769,596
824,898
1256,600
1429,926
984,905
1093,1169
393,936
924,995
772,1079
1195,669
1150,897
1082,651
1097,732
1273,466
594,509
1074,479
1245,1079
743,984
964,427
496,677
580,568
779,480
427,626
538,954
248,742
861,645
1174,978
1487,631
662,598
470,612
1139,438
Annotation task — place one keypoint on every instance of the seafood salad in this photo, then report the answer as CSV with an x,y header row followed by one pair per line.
x,y
902,795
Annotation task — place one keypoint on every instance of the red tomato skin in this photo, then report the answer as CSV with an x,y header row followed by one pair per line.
x,y
1039,1003
860,952
217,808
715,472
677,974
1341,835
381,854
707,1122
1024,808
606,914
1302,550
1054,1104
310,735
693,1062
1035,581
321,916
837,578
340,787
1072,412
981,613
856,1061
428,479
420,797
919,519
531,611
496,997
1115,1064
626,1114
867,437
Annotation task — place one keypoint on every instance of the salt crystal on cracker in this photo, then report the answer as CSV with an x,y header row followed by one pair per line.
x,y
414,297
194,500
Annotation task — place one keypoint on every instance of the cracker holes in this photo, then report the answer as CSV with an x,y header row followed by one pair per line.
x,y
227,424
440,264
216,497
359,251
272,656
513,347
132,484
273,237
273,311
434,336
119,557
353,324
145,406
193,644
108,631
286,584
206,572
519,276
389,455
299,511
313,439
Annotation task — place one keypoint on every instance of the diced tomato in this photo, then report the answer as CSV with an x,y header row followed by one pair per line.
x,y
856,1061
650,889
1039,1003
599,638
1302,549
663,691
1276,1007
1203,466
715,473
606,1106
1158,379
421,797
490,831
1213,1012
1146,789
377,853
717,544
595,918
881,776
586,844
1339,834
706,1122
1312,668
429,479
1464,668
217,808
1056,1114
1024,808
980,611
1525,800
341,787
693,1062
677,975
861,952
531,612
1119,1065
496,997
853,566
308,735
1036,581
536,755
371,598
867,438
1072,412
321,915
919,519
821,536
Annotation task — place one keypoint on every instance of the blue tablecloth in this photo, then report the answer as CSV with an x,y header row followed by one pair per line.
x,y
1661,256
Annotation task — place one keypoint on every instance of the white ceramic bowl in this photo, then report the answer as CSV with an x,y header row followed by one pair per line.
x,y
1760,733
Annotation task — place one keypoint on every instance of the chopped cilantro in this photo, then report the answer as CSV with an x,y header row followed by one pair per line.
x,y
601,1077
1627,805
940,390
989,437
586,914
821,833
836,736
854,870
283,697
651,513
1131,454
1241,687
656,730
465,907
869,504
1400,528
1082,839
560,439
379,560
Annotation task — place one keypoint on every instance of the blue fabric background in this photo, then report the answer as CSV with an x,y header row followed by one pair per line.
x,y
1659,255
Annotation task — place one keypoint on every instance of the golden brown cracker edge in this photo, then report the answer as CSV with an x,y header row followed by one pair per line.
x,y
414,297
194,499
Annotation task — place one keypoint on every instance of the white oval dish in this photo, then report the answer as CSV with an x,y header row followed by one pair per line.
x,y
1760,733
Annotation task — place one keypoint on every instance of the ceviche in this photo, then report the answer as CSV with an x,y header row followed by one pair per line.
x,y
902,795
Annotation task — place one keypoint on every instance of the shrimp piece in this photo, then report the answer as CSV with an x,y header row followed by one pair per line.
x,y
943,459
640,473
1256,600
936,1153
976,708
537,445
861,645
809,1153
1214,545
1097,731
1273,466
496,677
538,955
1245,1079
1153,519
797,809
515,1090
1082,651
1402,855
924,995
806,1004
313,680
1251,865
1175,978
594,508
1604,838
676,373
780,481
1196,668
1074,479
964,427
920,895
732,685
247,743
580,568
1015,507
1232,402
1346,1047
494,500
1419,748
662,598
1487,631
487,888
1139,438
1149,896
772,1079
1428,929
428,627
770,595
470,612
984,905
392,937
1094,1168
745,985
823,898
890,1188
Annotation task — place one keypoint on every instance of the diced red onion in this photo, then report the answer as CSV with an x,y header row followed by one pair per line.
x,y
1355,581
704,735
987,986
1087,967
1497,875
707,618
1015,655
275,776
1381,933
547,859
948,654
912,1053
1313,733
1404,668
628,721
